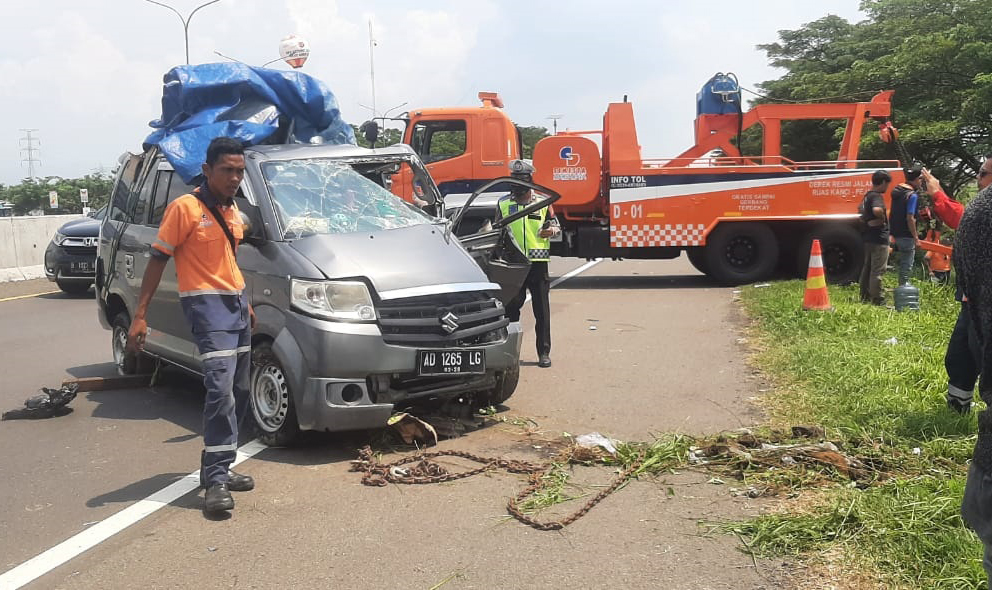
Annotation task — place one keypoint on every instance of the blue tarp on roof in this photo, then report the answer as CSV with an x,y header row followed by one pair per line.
x,y
205,101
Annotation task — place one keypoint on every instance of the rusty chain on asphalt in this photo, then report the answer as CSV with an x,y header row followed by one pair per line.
x,y
426,472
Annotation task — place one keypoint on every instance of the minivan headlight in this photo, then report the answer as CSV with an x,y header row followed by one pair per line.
x,y
333,300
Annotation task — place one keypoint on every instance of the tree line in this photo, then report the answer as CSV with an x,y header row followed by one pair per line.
x,y
32,194
935,54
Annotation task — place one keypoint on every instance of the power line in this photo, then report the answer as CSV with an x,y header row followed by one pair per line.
x,y
28,147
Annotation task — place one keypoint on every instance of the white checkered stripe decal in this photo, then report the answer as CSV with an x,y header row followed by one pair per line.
x,y
677,234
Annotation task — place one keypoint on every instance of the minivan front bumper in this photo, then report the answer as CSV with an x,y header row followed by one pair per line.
x,y
339,371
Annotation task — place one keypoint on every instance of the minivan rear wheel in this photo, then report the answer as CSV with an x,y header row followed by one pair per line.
x,y
127,362
271,399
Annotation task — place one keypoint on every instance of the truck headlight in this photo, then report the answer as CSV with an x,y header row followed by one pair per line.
x,y
333,300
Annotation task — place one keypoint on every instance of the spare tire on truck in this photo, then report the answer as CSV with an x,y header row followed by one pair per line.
x,y
842,248
740,252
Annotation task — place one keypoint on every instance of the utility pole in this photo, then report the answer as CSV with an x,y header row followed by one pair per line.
x,y
28,151
554,122
372,64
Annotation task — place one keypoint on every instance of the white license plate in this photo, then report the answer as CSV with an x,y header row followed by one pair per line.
x,y
451,362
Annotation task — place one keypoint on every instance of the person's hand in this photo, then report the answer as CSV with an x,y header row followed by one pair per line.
x,y
136,335
919,243
930,182
546,233
251,314
420,202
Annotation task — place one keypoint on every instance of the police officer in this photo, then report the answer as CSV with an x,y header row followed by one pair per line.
x,y
201,232
533,234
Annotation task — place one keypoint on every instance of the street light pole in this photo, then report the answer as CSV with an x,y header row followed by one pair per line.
x,y
185,21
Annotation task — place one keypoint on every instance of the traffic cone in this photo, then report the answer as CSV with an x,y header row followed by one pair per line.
x,y
816,297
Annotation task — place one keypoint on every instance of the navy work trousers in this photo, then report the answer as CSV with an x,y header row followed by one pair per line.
x,y
226,358
962,359
539,286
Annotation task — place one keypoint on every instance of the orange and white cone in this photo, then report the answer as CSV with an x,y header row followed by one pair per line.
x,y
816,297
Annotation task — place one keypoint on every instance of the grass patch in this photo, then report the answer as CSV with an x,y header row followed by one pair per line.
x,y
875,379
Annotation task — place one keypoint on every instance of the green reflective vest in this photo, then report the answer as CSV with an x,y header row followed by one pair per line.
x,y
526,231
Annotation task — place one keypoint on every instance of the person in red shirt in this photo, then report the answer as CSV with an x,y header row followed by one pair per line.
x,y
961,361
211,291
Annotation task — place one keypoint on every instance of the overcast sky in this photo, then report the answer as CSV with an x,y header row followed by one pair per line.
x,y
88,73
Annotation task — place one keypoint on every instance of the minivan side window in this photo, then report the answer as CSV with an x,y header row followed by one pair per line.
x,y
122,189
439,140
168,188
141,207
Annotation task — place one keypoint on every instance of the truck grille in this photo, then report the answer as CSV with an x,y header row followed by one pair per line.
x,y
436,321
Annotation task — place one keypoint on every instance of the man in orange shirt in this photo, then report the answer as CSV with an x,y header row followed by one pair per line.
x,y
201,231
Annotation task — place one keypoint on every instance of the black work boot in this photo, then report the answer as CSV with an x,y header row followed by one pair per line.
x,y
238,482
218,498
544,361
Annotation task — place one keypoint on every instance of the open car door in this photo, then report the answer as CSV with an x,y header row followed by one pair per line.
x,y
494,248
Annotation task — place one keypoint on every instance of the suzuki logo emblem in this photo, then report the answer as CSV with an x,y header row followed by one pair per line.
x,y
449,322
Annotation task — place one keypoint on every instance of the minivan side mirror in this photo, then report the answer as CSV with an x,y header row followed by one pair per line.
x,y
251,217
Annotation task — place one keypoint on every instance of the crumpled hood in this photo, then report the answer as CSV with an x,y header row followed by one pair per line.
x,y
402,258
86,227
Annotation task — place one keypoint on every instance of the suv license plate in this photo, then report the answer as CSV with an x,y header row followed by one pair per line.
x,y
451,362
81,267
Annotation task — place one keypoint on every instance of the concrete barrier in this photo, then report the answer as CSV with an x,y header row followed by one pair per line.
x,y
23,241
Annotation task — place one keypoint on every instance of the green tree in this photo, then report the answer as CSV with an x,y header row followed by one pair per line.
x,y
387,137
32,194
935,54
529,136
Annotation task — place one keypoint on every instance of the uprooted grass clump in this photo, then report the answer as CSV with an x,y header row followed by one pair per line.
x,y
875,379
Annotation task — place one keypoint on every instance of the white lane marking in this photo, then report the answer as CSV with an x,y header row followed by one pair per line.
x,y
43,563
570,274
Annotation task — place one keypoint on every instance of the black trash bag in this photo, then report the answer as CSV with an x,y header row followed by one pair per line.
x,y
48,403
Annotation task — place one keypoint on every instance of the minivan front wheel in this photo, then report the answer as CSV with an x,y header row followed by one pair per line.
x,y
271,399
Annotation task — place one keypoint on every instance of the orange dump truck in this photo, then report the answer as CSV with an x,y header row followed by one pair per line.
x,y
738,218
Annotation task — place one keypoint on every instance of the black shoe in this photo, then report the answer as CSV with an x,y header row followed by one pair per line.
x,y
958,406
218,498
239,483
544,361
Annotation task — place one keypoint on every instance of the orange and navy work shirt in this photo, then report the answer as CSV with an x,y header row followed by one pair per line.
x,y
211,286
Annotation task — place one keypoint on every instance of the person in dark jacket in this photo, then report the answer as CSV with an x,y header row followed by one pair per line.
x,y
962,359
973,266
902,221
875,234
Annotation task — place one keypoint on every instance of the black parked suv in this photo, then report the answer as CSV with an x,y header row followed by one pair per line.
x,y
70,259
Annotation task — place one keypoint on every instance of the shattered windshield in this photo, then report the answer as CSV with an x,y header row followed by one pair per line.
x,y
322,196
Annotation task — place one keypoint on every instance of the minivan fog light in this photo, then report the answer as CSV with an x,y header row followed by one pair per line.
x,y
333,300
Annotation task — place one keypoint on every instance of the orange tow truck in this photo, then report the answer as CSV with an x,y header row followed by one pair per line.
x,y
738,218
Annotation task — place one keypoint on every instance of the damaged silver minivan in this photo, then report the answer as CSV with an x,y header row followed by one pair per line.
x,y
365,304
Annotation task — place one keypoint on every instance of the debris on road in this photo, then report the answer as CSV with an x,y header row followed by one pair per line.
x,y
595,440
50,402
412,429
84,384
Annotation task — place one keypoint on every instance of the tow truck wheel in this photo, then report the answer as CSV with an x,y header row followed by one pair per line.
x,y
741,252
843,252
697,256
271,400
506,384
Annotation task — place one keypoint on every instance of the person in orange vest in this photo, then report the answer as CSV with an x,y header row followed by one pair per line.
x,y
201,232
938,264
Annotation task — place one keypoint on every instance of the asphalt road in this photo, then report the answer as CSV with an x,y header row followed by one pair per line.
x,y
639,348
